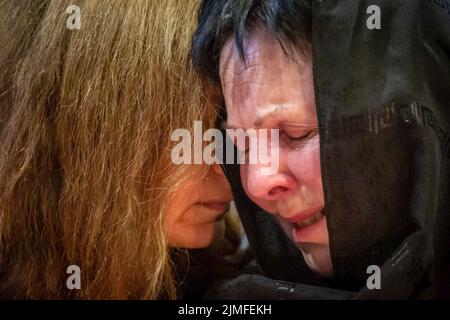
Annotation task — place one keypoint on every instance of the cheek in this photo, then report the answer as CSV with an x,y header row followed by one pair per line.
x,y
174,213
304,164
179,205
172,226
174,217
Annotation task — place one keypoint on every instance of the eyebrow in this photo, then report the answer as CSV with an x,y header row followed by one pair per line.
x,y
224,126
258,121
261,119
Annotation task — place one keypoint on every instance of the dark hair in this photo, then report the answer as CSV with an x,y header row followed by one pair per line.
x,y
289,21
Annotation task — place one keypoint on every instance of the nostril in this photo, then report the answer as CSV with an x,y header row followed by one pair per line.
x,y
277,191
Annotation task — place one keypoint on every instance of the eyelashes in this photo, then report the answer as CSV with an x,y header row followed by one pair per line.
x,y
299,140
288,139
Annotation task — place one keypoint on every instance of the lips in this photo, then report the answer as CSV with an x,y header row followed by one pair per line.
x,y
218,206
303,226
312,233
304,215
307,222
206,212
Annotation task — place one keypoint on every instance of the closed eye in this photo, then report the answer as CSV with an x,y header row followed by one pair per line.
x,y
301,137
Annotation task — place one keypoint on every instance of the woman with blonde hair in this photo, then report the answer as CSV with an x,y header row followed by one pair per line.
x,y
85,169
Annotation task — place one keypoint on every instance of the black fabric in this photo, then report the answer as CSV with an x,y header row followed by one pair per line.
x,y
253,286
197,270
383,104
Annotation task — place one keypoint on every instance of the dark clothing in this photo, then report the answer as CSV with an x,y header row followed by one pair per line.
x,y
383,106
197,271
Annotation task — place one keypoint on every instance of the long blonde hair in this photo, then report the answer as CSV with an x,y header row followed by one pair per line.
x,y
85,168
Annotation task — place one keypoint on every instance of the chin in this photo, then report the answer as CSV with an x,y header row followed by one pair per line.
x,y
193,236
318,259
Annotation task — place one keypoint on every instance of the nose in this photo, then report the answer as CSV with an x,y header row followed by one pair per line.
x,y
268,187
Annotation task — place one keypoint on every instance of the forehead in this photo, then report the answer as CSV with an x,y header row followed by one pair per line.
x,y
268,83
